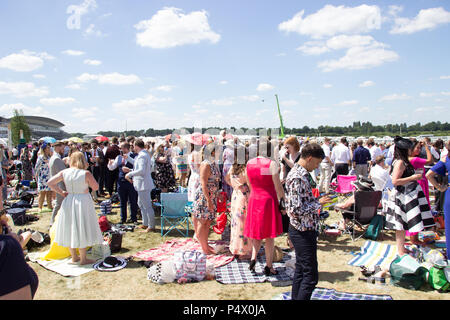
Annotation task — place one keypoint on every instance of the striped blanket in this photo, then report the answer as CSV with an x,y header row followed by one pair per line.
x,y
374,253
331,294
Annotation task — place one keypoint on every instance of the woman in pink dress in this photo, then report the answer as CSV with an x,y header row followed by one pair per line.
x,y
263,214
240,246
419,164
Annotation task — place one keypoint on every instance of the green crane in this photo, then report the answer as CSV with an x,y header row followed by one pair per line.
x,y
281,119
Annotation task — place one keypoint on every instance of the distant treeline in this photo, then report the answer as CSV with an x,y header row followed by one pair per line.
x,y
358,128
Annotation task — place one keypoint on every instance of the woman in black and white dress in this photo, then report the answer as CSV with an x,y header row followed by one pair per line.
x,y
407,207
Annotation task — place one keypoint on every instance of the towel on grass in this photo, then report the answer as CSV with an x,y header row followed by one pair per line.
x,y
374,253
64,267
331,294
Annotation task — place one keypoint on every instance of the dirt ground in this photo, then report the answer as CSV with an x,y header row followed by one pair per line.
x,y
131,282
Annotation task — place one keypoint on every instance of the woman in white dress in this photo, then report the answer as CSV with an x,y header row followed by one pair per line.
x,y
77,225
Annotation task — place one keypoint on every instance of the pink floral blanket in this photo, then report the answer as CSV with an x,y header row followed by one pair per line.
x,y
167,250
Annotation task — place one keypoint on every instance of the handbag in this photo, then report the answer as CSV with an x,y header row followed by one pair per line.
x,y
222,202
376,225
221,223
190,265
162,272
407,273
101,250
437,279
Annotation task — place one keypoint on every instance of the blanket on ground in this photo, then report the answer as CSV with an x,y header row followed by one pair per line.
x,y
374,253
331,294
167,250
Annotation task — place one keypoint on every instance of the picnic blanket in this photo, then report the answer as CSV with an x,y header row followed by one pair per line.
x,y
167,250
374,253
64,267
237,271
331,294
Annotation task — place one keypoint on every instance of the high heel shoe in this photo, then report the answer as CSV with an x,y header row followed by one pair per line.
x,y
251,267
270,271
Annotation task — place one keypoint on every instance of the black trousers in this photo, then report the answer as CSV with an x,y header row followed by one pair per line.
x,y
306,274
96,174
102,179
111,180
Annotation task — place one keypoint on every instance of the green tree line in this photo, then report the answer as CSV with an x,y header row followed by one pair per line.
x,y
358,128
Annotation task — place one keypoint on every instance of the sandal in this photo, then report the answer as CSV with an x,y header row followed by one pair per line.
x,y
270,271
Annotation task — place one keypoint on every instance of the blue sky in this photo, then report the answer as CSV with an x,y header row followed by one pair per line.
x,y
109,64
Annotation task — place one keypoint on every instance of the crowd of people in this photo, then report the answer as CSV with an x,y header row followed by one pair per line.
x,y
269,184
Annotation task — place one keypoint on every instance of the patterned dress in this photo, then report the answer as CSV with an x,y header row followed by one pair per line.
x,y
239,244
164,176
43,172
407,206
200,207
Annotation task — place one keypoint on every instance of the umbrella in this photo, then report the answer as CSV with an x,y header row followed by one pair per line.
x,y
172,136
75,139
48,139
101,138
198,138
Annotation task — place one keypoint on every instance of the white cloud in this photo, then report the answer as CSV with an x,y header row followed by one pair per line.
x,y
348,103
345,41
429,109
170,27
331,20
22,89
92,62
138,103
39,76
304,93
360,58
74,86
8,109
364,109
251,98
367,83
57,101
427,94
165,88
426,19
394,10
313,48
92,31
222,102
327,85
265,87
81,113
395,96
25,61
281,54
223,82
288,103
110,78
71,52
445,93
444,77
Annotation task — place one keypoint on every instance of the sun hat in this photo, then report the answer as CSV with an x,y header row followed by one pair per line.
x,y
402,143
363,184
110,263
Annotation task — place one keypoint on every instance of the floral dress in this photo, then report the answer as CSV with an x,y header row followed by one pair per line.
x,y
200,207
43,172
239,244
164,176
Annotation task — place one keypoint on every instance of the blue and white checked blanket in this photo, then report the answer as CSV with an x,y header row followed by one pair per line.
x,y
331,294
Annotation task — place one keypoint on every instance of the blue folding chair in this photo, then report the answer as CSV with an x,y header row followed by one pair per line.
x,y
173,213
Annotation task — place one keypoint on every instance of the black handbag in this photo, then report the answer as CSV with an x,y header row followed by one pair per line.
x,y
18,215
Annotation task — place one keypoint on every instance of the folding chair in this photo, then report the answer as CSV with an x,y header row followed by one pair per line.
x,y
365,208
173,213
344,184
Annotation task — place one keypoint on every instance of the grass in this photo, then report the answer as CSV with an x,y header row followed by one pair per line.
x,y
131,283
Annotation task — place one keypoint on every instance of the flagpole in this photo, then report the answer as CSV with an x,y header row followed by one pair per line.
x,y
281,118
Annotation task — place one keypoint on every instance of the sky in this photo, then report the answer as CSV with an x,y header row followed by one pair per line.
x,y
100,65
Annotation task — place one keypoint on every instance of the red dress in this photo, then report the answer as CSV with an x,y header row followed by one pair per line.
x,y
263,216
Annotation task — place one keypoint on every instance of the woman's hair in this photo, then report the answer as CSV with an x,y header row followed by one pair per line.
x,y
240,160
207,150
42,150
438,144
293,142
73,150
78,161
402,154
312,150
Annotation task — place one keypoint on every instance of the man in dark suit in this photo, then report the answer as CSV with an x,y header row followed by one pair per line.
x,y
111,176
87,154
127,194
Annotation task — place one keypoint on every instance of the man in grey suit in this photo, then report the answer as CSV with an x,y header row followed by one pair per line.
x,y
142,181
56,165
